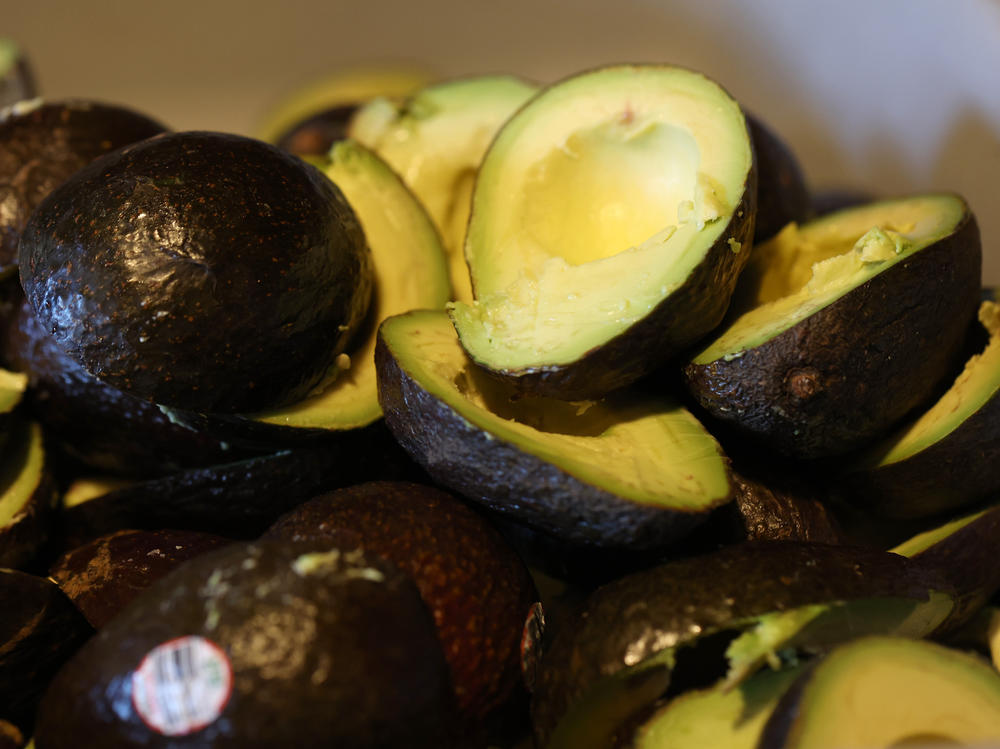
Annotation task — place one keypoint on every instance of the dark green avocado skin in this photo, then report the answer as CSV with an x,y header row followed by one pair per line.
x,y
202,271
344,656
632,619
43,146
782,193
39,630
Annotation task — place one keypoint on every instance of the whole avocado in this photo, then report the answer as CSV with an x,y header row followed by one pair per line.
x,y
201,271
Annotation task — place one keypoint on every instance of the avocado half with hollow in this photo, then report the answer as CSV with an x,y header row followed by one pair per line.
x,y
841,327
624,471
610,220
945,458
435,139
881,691
202,271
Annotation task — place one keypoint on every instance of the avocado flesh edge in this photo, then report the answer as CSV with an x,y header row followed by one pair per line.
x,y
719,717
12,387
649,451
582,225
759,640
21,472
410,273
435,140
911,690
974,387
927,539
804,269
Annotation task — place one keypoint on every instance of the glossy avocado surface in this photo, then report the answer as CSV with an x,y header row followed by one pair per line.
x,y
202,271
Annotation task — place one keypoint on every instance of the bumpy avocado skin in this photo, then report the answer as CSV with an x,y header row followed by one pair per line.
x,y
476,585
203,271
40,147
40,630
634,618
342,653
846,374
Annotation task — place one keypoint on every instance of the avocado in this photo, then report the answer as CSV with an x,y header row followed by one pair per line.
x,y
39,630
723,614
783,196
882,692
239,499
435,140
843,326
103,576
17,81
44,143
202,271
964,549
12,389
944,458
611,217
628,471
11,736
96,424
259,645
473,582
717,717
27,497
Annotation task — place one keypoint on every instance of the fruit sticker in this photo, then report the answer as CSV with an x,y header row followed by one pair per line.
x,y
531,645
182,685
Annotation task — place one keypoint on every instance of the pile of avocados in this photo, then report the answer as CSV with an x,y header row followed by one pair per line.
x,y
486,413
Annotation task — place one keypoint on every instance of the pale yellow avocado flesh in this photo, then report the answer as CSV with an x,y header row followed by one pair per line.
x,y
435,140
804,269
973,388
595,202
21,471
410,273
650,451
881,692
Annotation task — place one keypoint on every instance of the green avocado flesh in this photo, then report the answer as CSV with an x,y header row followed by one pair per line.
x,y
804,269
651,452
974,388
12,387
720,717
20,471
885,692
410,273
435,140
596,202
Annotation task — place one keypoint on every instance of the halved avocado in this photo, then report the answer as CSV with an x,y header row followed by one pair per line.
x,y
625,471
886,692
728,613
782,193
44,143
16,79
945,458
610,220
719,717
202,271
436,139
841,327
27,496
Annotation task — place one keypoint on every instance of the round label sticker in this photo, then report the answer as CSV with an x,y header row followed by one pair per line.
x,y
182,685
531,645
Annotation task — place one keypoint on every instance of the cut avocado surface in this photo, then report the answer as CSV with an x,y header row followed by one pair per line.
x,y
27,496
944,458
410,273
841,327
720,717
611,214
886,692
435,139
625,470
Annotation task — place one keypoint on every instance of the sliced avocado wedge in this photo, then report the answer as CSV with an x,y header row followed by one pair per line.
x,y
751,604
886,692
842,326
610,219
946,457
625,471
27,496
720,717
435,139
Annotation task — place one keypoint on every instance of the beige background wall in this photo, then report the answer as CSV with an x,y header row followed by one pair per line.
x,y
886,95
